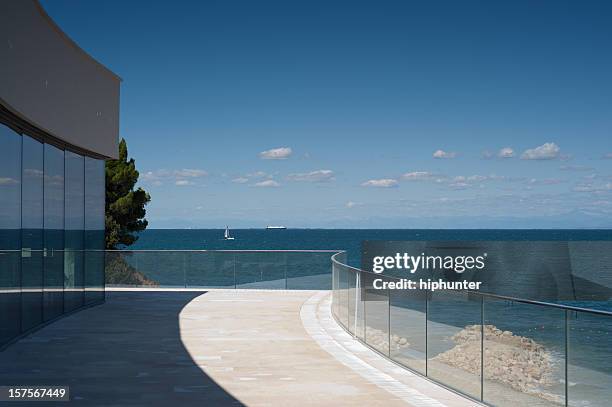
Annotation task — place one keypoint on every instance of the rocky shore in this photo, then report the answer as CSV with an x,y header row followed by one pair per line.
x,y
516,361
380,340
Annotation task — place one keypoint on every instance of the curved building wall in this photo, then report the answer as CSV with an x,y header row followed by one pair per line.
x,y
58,122
47,80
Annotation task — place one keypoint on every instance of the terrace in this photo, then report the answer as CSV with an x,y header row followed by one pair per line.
x,y
270,327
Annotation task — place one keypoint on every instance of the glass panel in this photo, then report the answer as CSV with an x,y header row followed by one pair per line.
x,y
351,300
360,314
589,359
32,234
148,268
335,291
453,340
211,269
308,270
377,314
10,234
408,319
261,270
524,354
74,224
94,229
122,268
342,295
53,296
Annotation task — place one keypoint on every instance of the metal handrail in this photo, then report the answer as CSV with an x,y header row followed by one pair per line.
x,y
228,250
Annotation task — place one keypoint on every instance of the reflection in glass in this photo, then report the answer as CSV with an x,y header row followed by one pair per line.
x,y
10,230
53,259
308,270
94,229
261,270
31,233
377,313
408,319
74,225
453,340
524,354
589,370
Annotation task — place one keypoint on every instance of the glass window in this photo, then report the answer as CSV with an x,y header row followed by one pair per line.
x,y
94,229
31,233
53,259
74,230
10,234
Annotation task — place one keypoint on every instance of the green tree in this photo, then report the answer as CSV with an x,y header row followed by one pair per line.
x,y
125,206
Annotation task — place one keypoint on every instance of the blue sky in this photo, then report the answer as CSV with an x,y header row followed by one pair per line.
x,y
330,114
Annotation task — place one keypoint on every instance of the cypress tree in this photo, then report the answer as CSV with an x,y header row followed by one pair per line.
x,y
125,206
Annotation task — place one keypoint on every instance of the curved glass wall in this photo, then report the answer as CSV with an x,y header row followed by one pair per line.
x,y
74,230
53,258
31,233
51,232
10,235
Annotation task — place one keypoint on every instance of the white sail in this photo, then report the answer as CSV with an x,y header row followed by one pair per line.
x,y
227,234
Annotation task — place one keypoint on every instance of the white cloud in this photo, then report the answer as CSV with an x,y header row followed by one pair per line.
x,y
477,178
380,183
8,181
460,185
268,184
444,154
240,180
546,181
257,174
505,152
158,177
280,153
190,173
313,176
607,156
418,176
351,204
547,151
32,172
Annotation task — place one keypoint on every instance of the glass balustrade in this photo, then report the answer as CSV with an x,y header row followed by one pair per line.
x,y
503,351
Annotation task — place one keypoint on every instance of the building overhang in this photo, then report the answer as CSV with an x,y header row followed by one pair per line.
x,y
48,81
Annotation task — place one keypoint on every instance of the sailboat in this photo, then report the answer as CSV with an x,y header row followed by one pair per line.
x,y
227,235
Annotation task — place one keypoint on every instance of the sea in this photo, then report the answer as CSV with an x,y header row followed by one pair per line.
x,y
348,240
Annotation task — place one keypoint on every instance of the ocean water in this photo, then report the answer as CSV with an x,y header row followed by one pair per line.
x,y
343,239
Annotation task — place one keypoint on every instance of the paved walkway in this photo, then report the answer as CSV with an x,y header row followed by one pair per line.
x,y
219,348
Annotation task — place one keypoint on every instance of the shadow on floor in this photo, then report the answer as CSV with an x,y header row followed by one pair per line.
x,y
127,351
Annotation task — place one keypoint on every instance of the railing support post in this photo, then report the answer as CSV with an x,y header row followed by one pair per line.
x,y
357,299
482,338
566,356
184,271
389,322
426,333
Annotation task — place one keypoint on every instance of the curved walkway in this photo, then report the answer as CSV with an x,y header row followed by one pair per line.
x,y
222,347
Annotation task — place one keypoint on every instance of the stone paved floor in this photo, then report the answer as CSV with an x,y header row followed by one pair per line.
x,y
216,348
